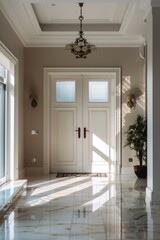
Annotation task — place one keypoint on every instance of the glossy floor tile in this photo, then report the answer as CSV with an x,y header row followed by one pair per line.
x,y
9,192
82,208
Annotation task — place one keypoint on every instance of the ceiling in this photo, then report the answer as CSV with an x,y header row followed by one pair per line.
x,y
55,23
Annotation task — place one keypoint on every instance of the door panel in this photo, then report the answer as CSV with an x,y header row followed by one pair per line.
x,y
98,119
65,136
98,154
66,119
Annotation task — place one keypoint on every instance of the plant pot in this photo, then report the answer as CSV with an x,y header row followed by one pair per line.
x,y
140,171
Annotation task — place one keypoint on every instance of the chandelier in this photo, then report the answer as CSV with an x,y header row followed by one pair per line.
x,y
80,48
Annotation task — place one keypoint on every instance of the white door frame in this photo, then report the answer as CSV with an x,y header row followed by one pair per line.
x,y
47,73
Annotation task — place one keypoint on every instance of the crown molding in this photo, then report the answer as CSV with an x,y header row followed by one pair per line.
x,y
102,40
8,17
128,16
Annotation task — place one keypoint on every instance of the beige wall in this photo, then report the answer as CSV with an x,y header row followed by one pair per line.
x,y
38,58
12,42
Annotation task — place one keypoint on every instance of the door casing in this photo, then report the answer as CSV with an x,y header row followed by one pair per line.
x,y
48,73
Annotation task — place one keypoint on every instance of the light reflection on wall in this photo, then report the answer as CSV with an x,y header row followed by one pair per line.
x,y
138,91
126,83
141,101
125,87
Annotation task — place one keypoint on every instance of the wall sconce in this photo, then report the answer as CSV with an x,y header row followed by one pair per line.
x,y
33,98
131,100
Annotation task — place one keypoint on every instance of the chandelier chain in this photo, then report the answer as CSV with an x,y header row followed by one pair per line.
x,y
80,48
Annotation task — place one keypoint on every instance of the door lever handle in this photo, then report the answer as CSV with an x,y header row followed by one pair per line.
x,y
85,130
79,132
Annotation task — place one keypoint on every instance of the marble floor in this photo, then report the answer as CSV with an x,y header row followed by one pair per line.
x,y
82,208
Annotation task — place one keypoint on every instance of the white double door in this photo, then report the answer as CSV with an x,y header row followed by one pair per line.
x,y
82,123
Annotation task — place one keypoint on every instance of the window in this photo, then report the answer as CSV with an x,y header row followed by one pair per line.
x,y
98,91
65,91
7,116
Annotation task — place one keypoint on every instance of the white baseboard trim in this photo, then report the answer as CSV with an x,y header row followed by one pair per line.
x,y
33,171
127,171
22,173
152,197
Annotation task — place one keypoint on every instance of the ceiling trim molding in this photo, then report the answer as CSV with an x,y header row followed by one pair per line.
x,y
32,17
128,16
100,41
75,27
8,18
85,21
113,13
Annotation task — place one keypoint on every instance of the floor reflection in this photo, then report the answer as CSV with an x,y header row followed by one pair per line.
x,y
85,208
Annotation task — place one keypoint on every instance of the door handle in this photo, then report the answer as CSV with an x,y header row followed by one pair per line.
x,y
79,132
85,130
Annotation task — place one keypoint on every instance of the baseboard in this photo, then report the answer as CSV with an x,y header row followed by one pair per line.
x,y
152,197
127,171
22,173
33,171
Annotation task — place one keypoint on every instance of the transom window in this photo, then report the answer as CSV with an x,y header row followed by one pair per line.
x,y
65,91
98,91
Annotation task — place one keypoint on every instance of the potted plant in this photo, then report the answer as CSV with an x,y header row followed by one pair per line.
x,y
137,140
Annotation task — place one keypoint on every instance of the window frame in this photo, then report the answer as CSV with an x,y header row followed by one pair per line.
x,y
12,112
4,178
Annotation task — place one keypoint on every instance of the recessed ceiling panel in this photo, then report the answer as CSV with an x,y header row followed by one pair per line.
x,y
69,13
